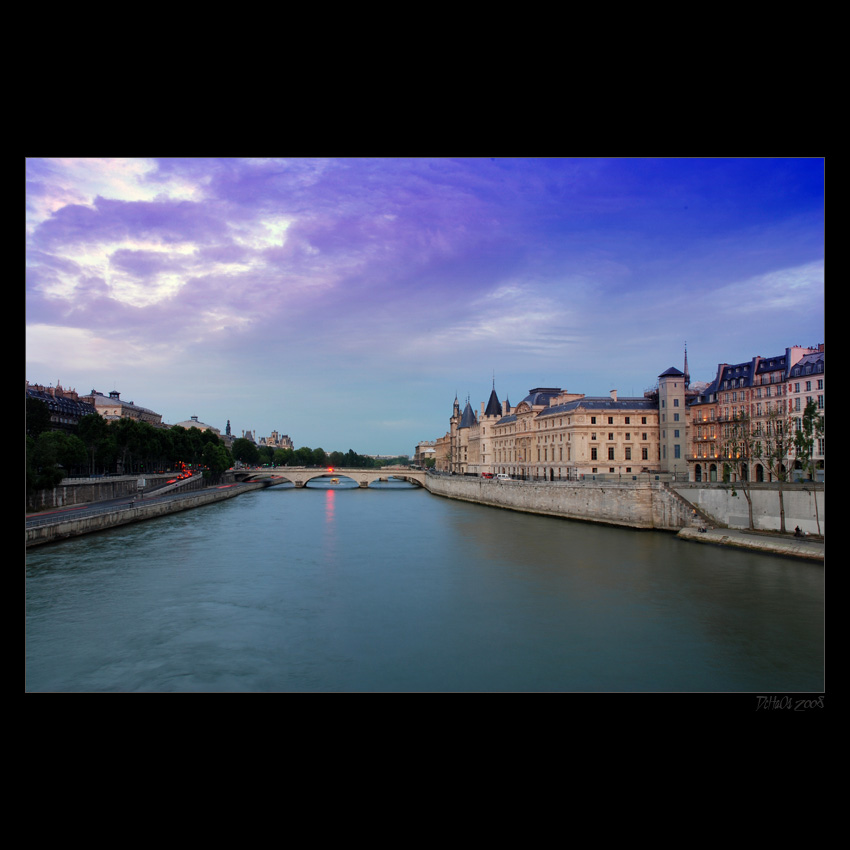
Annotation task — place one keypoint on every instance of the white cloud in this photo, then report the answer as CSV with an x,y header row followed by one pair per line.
x,y
793,288
83,350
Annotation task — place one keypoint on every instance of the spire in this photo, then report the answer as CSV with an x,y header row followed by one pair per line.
x,y
687,374
468,419
494,408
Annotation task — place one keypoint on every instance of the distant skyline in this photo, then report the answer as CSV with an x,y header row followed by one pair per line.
x,y
345,302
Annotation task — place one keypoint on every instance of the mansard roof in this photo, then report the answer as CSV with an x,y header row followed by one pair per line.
x,y
602,403
771,364
808,364
61,404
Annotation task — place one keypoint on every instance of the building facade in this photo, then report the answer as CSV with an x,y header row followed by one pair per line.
x,y
740,424
112,408
194,422
65,406
743,422
557,435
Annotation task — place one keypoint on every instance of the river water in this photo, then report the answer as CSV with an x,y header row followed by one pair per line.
x,y
392,589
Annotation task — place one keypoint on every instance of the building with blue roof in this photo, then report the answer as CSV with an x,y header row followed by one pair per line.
x,y
679,430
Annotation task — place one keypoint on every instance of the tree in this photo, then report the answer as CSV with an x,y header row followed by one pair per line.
x,y
284,457
93,431
303,456
50,457
245,451
265,455
738,449
774,446
37,416
811,429
216,458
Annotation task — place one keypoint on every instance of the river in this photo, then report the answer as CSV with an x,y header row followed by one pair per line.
x,y
392,589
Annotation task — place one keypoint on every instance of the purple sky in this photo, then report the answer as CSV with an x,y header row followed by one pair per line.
x,y
346,301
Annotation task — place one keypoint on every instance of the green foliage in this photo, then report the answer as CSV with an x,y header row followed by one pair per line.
x,y
245,451
38,417
216,458
50,457
811,429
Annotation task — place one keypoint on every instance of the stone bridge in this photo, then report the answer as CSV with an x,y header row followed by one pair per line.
x,y
300,475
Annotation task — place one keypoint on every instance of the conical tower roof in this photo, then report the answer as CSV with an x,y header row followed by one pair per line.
x,y
468,419
494,407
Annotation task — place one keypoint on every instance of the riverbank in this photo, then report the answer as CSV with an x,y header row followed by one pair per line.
x,y
630,504
73,523
641,505
811,549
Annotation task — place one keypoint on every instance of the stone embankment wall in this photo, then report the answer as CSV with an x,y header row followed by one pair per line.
x,y
637,504
726,505
82,491
632,504
126,515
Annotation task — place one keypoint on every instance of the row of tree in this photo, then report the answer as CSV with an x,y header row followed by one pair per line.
x,y
99,447
250,453
747,443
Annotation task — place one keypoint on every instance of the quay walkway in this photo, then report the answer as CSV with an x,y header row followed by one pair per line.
x,y
810,548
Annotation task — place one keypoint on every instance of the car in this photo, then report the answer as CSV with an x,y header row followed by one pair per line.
x,y
502,477
486,474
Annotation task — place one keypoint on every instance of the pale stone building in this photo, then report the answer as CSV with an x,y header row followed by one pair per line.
x,y
194,422
112,408
277,441
425,453
557,435
560,436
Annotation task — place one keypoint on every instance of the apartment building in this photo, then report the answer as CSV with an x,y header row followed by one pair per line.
x,y
756,397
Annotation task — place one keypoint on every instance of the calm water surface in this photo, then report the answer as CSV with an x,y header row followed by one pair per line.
x,y
393,589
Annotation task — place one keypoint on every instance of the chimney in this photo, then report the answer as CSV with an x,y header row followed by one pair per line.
x,y
613,395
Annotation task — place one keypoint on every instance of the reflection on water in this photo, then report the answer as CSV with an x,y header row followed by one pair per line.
x,y
387,588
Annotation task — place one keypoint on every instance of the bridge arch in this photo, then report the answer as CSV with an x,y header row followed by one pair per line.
x,y
299,476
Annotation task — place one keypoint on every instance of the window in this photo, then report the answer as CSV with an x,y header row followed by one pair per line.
x,y
610,453
644,454
628,420
592,420
593,453
628,453
643,420
611,418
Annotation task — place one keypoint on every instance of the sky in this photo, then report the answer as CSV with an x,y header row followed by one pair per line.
x,y
346,302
